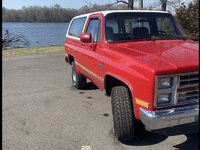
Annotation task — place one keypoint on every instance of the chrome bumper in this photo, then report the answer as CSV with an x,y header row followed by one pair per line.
x,y
154,120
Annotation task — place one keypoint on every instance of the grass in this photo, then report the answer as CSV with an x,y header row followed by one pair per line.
x,y
32,50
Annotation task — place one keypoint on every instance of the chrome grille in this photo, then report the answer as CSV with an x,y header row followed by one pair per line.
x,y
188,96
188,80
191,79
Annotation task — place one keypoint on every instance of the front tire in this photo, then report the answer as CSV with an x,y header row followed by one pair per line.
x,y
78,80
122,113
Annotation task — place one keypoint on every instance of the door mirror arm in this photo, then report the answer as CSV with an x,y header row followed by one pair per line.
x,y
93,45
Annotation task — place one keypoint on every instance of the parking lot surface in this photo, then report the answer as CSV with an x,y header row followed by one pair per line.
x,y
42,110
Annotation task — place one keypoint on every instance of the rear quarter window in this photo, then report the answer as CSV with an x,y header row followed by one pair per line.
x,y
76,27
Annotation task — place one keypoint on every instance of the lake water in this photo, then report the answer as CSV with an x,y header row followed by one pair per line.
x,y
34,34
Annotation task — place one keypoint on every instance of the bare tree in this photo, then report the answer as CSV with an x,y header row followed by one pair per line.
x,y
174,5
141,4
163,5
169,5
129,4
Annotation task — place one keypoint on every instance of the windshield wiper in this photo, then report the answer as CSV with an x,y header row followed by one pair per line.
x,y
179,37
126,38
167,37
135,38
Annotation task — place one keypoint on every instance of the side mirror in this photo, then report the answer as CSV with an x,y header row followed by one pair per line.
x,y
86,37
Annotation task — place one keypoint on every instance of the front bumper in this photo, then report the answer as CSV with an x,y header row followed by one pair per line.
x,y
155,120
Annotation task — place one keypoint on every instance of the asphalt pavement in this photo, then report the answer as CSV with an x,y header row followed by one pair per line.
x,y
41,110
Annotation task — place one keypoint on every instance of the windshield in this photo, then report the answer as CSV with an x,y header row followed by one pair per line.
x,y
125,27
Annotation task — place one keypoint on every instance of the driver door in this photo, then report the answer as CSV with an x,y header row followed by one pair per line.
x,y
90,51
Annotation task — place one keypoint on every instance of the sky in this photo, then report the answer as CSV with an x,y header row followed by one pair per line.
x,y
76,4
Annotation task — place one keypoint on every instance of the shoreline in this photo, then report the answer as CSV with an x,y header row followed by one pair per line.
x,y
32,50
22,51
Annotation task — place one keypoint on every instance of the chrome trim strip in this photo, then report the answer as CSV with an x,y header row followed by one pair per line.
x,y
90,72
174,93
188,91
188,85
169,117
190,79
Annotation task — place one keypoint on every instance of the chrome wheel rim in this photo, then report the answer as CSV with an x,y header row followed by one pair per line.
x,y
74,77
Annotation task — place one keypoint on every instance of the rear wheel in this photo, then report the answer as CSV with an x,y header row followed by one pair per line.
x,y
78,80
122,113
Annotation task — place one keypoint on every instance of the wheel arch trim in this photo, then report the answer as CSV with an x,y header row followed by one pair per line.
x,y
118,78
70,58
121,79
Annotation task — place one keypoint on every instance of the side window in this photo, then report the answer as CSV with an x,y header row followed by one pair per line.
x,y
77,27
94,27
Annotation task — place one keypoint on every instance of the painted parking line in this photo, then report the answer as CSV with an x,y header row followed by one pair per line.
x,y
86,148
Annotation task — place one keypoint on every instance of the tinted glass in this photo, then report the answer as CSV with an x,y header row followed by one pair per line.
x,y
94,28
166,25
133,23
99,34
76,27
125,27
113,24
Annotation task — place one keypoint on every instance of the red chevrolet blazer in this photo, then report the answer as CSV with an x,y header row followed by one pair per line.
x,y
147,64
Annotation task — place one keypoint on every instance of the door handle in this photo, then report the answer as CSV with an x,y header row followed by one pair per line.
x,y
82,44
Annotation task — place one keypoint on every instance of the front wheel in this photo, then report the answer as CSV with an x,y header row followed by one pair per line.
x,y
78,80
122,113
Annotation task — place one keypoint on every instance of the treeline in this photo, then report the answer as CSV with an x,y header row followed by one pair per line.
x,y
188,17
52,14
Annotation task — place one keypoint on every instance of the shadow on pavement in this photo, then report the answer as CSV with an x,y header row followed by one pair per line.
x,y
192,142
146,138
90,86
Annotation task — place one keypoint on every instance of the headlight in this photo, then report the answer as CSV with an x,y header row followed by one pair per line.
x,y
164,99
164,82
165,90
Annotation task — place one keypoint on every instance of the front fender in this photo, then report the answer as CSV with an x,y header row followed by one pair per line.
x,y
129,86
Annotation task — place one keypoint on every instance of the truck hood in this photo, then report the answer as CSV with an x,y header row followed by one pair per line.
x,y
164,57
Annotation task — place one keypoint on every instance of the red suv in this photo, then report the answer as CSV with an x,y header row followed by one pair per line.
x,y
147,64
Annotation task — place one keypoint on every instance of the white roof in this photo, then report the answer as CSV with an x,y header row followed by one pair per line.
x,y
113,11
